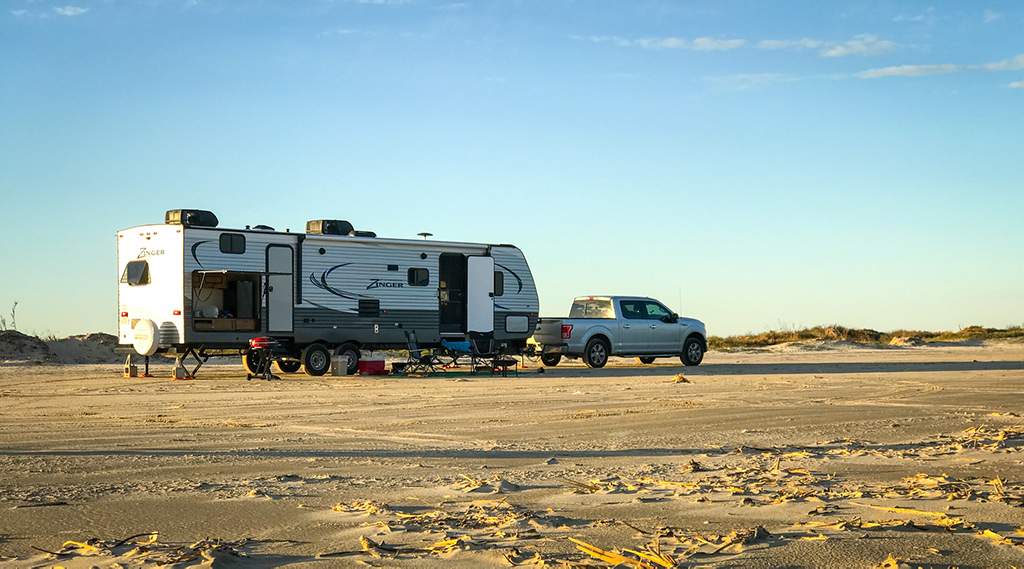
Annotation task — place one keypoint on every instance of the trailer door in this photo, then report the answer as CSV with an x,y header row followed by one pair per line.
x,y
480,295
280,289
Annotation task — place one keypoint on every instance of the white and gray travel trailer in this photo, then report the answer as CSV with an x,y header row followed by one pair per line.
x,y
189,287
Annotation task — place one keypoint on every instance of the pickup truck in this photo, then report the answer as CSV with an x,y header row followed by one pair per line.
x,y
602,326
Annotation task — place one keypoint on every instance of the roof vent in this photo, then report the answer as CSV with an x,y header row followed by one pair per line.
x,y
329,227
363,234
263,228
190,218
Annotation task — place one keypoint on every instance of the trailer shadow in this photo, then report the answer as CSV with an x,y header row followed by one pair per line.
x,y
790,369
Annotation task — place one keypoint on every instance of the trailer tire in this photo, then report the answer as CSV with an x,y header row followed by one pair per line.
x,y
646,360
693,351
550,360
316,360
596,352
352,352
251,362
288,366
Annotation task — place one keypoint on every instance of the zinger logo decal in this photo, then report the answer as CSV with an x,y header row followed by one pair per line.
x,y
377,283
143,253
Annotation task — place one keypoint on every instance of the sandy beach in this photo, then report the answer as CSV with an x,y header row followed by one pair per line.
x,y
836,457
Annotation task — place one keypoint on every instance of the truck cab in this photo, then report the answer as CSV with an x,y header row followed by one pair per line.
x,y
602,326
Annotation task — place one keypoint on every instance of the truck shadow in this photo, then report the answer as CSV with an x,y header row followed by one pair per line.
x,y
791,368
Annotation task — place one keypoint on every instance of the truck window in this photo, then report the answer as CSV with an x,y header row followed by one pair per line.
x,y
633,309
655,311
591,308
136,273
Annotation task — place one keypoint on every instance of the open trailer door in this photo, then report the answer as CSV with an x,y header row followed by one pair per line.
x,y
480,295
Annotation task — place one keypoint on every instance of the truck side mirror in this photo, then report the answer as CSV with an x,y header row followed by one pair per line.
x,y
672,318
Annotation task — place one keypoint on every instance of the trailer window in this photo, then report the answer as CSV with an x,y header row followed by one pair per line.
x,y
499,283
592,308
233,243
419,277
136,273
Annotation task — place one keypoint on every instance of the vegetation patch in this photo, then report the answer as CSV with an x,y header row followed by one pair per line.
x,y
863,336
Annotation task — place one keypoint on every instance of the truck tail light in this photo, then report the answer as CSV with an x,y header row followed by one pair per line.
x,y
566,331
176,312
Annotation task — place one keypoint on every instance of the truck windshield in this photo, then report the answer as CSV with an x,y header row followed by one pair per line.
x,y
591,308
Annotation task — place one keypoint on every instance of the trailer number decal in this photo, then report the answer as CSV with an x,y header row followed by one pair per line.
x,y
377,283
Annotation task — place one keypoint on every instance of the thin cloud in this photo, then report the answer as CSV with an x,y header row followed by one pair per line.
x,y
1015,63
909,71
19,13
667,42
1017,85
69,11
1012,64
989,16
802,43
863,44
713,44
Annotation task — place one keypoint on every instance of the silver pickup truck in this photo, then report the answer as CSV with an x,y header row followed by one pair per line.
x,y
603,326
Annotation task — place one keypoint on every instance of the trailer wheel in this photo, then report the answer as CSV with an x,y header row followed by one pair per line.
x,y
550,360
596,353
352,352
316,360
288,366
693,352
251,362
646,360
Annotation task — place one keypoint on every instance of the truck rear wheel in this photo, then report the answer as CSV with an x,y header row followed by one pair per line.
x,y
288,366
551,360
596,353
693,352
646,360
316,360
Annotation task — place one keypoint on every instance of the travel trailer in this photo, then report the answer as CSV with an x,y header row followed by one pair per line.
x,y
188,287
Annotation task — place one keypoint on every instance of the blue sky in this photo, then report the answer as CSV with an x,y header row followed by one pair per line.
x,y
754,164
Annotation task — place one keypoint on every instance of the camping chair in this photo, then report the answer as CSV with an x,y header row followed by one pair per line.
x,y
420,360
455,350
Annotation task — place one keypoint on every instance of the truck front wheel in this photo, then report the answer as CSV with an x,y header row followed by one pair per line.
x,y
693,352
596,353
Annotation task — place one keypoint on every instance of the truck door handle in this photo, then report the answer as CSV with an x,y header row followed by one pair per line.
x,y
654,325
626,326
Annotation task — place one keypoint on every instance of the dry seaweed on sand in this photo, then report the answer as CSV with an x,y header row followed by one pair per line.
x,y
150,550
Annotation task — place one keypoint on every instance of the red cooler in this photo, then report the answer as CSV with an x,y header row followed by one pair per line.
x,y
371,367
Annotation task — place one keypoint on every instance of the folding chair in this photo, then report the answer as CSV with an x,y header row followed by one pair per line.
x,y
456,350
420,360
